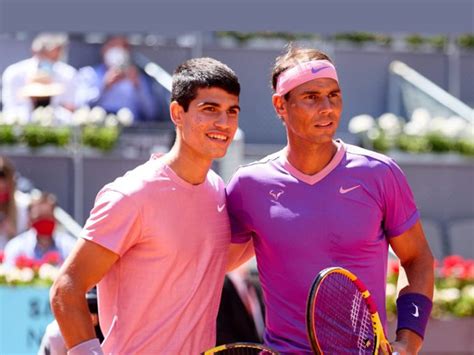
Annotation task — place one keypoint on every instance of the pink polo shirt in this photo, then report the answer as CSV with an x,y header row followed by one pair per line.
x,y
163,293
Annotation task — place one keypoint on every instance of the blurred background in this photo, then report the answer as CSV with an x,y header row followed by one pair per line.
x,y
69,125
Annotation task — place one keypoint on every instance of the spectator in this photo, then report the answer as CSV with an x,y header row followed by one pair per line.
x,y
118,83
42,238
40,80
13,204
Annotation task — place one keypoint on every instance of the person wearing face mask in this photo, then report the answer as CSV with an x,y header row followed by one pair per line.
x,y
22,92
117,83
13,204
42,237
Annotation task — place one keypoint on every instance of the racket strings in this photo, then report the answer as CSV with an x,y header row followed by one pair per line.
x,y
342,317
356,302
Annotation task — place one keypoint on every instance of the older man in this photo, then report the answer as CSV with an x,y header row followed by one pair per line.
x,y
26,83
320,202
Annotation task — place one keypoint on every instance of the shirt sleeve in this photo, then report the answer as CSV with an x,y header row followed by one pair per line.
x,y
114,222
239,219
88,88
12,82
400,211
67,76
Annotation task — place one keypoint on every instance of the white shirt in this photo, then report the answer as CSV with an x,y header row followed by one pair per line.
x,y
17,75
52,342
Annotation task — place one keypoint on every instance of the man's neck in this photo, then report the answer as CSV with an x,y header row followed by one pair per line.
x,y
310,159
187,167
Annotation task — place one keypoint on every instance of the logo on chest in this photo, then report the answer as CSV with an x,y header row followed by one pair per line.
x,y
275,194
344,191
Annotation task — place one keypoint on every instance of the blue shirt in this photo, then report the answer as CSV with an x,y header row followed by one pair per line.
x,y
141,100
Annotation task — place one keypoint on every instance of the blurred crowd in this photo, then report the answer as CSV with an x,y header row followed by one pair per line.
x,y
45,79
29,234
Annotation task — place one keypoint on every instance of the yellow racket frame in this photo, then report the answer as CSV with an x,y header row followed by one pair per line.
x,y
381,342
239,345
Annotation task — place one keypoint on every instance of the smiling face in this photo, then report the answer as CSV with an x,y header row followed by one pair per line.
x,y
312,111
207,128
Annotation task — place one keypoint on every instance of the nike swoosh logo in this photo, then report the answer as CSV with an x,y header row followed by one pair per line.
x,y
345,191
221,208
316,70
416,314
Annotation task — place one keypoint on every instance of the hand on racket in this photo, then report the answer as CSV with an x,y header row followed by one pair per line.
x,y
241,349
342,317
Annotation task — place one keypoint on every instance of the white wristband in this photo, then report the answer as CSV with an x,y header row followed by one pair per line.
x,y
89,347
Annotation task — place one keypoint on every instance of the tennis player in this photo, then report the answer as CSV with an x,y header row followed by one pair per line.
x,y
320,202
157,238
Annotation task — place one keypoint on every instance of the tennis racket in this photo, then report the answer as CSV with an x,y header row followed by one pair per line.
x,y
342,317
241,349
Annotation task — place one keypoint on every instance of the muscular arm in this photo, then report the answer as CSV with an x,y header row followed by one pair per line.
x,y
85,267
239,254
416,259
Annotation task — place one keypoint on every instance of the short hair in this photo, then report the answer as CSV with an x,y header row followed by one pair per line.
x,y
42,197
293,56
45,42
116,37
198,73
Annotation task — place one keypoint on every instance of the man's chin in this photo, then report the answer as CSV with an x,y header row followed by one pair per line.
x,y
219,154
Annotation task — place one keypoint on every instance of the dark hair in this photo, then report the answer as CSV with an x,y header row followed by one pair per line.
x,y
293,56
198,73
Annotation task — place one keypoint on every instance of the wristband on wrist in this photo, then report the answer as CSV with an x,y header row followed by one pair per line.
x,y
88,347
413,311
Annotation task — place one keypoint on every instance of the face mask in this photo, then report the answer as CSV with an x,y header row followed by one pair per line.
x,y
4,197
117,57
44,227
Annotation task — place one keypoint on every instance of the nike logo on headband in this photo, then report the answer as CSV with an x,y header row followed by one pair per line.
x,y
316,70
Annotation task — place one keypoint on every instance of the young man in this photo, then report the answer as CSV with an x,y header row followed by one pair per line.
x,y
320,202
157,237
